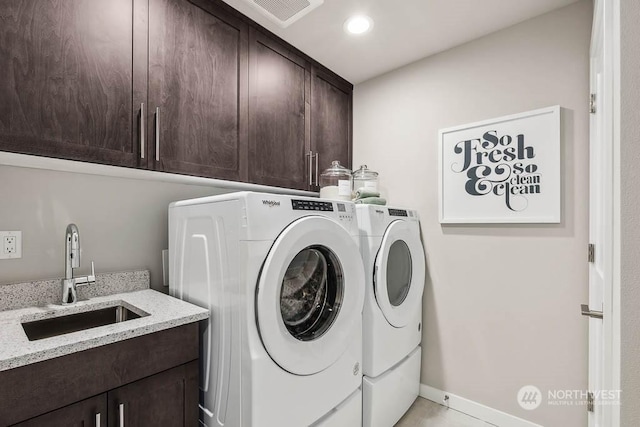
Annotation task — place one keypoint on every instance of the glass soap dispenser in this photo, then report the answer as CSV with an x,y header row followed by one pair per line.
x,y
335,182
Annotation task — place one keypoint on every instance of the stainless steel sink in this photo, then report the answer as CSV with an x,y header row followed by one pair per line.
x,y
45,328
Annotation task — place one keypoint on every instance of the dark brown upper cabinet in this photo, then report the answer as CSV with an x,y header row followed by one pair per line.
x,y
69,85
279,106
181,86
331,115
197,120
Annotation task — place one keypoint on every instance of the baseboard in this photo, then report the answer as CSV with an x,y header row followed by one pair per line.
x,y
474,409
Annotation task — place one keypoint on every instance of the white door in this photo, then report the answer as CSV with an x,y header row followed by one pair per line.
x,y
600,213
310,295
399,273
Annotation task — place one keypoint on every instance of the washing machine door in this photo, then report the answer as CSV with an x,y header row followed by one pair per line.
x,y
310,295
399,273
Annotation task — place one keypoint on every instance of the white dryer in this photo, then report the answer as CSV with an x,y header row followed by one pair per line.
x,y
283,279
394,264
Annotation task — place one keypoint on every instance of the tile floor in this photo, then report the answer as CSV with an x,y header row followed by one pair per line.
x,y
425,413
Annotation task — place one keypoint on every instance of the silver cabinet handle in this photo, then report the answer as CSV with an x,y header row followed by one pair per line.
x,y
121,414
310,155
98,423
317,155
591,313
157,134
142,129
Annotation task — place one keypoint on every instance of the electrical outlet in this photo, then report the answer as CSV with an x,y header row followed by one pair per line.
x,y
10,244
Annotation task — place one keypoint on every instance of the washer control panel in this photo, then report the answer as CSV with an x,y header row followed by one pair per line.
x,y
344,212
339,211
312,205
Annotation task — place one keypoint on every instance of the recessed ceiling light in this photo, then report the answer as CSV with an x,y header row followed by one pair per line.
x,y
358,24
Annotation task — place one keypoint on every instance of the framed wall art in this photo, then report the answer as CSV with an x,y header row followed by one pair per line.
x,y
504,170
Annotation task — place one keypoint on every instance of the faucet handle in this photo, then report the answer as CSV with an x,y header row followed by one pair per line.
x,y
92,277
86,280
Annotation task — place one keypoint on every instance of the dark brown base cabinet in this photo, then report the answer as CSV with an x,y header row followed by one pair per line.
x,y
89,412
145,381
181,86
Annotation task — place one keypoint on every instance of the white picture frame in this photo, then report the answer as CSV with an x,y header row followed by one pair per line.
x,y
502,170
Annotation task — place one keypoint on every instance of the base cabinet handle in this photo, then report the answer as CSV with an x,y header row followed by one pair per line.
x,y
121,415
98,423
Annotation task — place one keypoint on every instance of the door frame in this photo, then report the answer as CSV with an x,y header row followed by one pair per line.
x,y
600,211
614,371
610,23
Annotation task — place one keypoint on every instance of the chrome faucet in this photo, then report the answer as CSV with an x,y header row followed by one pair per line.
x,y
71,261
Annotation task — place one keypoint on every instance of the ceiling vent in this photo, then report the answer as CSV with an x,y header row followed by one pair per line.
x,y
284,12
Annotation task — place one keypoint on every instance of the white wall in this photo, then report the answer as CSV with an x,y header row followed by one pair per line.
x,y
501,303
122,222
630,210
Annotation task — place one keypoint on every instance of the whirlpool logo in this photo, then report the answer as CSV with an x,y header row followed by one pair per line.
x,y
270,203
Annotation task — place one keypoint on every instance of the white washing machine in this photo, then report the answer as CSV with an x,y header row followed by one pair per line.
x,y
394,264
283,279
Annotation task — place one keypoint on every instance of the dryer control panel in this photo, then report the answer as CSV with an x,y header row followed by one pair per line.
x,y
397,212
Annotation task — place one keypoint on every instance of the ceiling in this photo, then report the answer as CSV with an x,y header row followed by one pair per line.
x,y
403,32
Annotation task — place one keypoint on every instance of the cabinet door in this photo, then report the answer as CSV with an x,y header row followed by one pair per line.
x,y
197,89
278,114
169,398
331,115
67,87
87,413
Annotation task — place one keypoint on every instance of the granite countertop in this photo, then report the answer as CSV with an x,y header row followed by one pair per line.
x,y
164,312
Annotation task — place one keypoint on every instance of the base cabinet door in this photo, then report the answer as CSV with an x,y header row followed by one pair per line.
x,y
169,398
69,85
197,89
87,413
331,116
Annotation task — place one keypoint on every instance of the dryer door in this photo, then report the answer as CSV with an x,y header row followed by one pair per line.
x,y
310,295
399,273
